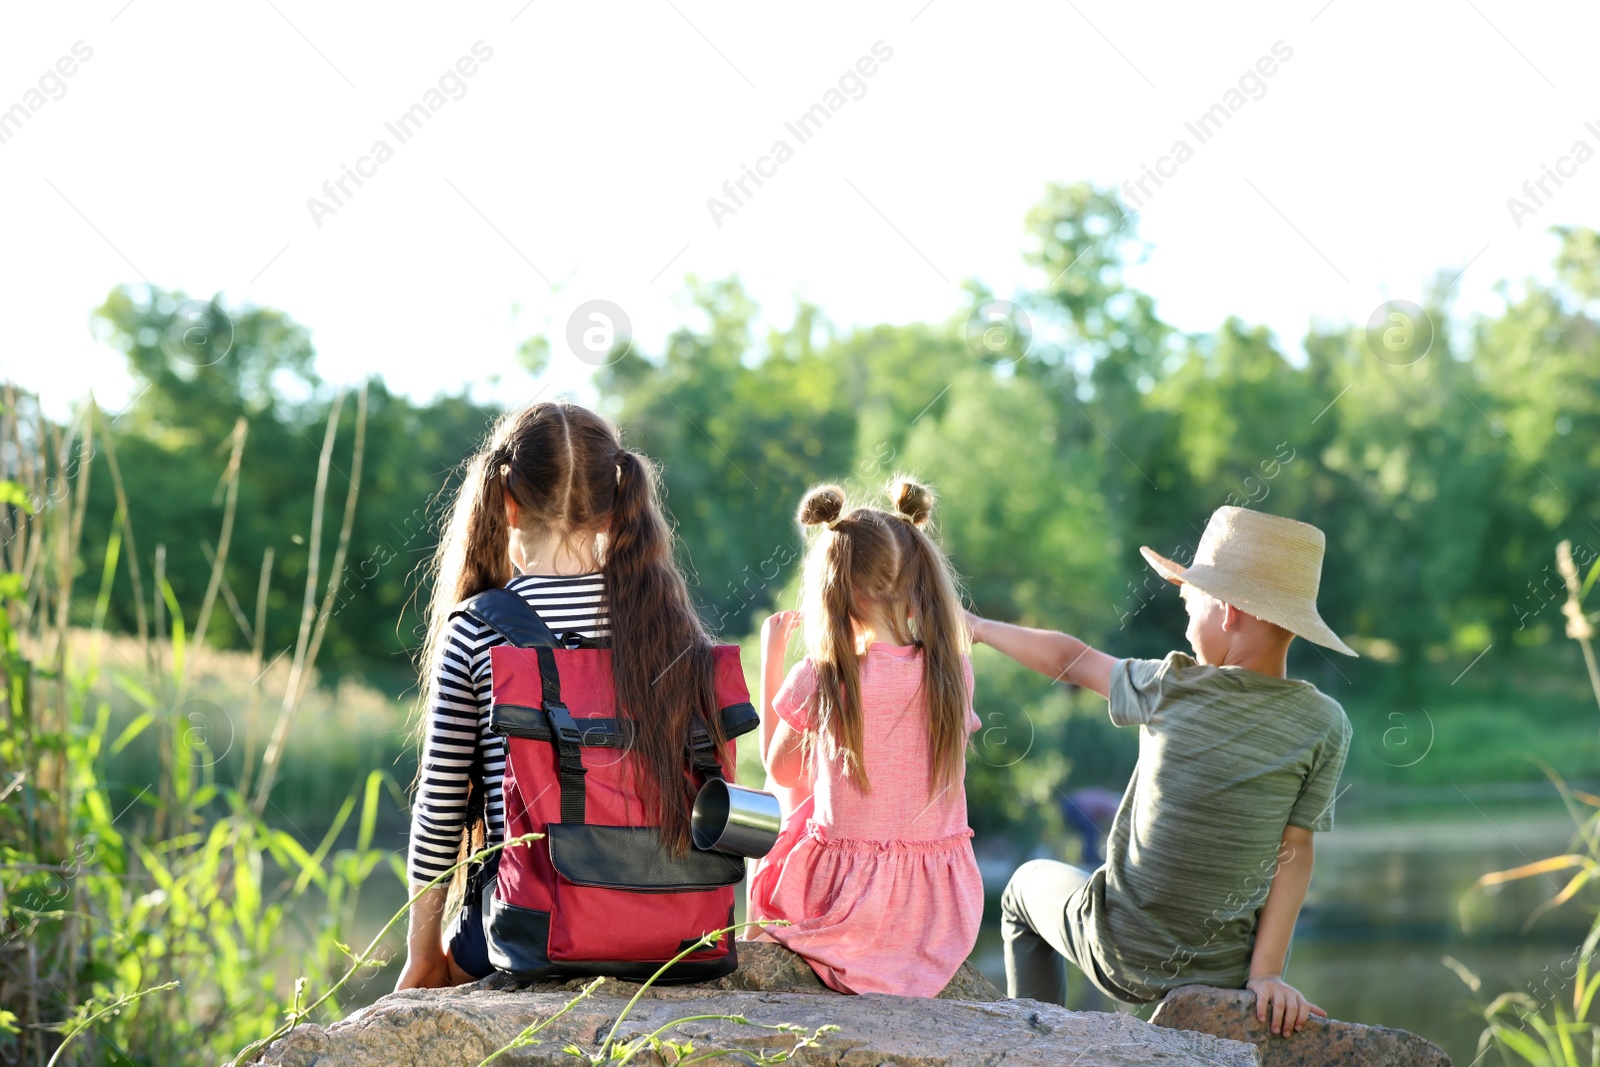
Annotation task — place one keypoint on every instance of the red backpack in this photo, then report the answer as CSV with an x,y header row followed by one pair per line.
x,y
599,894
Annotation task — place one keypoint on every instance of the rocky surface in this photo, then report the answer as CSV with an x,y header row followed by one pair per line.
x,y
766,967
463,1026
971,1025
1231,1013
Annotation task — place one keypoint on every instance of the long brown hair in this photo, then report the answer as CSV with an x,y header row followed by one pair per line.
x,y
571,477
867,558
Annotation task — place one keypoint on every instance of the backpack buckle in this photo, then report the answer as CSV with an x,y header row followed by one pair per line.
x,y
563,725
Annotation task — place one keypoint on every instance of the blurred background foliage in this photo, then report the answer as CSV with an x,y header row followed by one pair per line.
x,y
1441,484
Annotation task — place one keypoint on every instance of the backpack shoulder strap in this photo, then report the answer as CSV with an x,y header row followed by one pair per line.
x,y
739,719
508,615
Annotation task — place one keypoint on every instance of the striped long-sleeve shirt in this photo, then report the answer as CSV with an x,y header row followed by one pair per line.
x,y
458,737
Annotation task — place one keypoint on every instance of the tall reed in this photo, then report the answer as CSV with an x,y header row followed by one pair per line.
x,y
155,922
1551,1022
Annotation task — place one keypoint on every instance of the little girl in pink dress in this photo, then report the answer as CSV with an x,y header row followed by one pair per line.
x,y
874,869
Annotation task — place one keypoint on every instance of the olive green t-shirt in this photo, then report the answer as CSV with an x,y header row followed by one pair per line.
x,y
1227,758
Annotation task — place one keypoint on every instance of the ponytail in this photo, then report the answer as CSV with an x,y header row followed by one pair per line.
x,y
938,629
663,668
472,555
830,631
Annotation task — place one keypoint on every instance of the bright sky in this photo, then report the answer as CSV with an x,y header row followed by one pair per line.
x,y
576,160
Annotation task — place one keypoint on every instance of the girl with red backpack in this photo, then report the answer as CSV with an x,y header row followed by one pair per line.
x,y
875,871
570,690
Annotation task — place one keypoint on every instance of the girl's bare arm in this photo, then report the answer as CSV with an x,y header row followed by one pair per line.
x,y
785,756
427,966
774,641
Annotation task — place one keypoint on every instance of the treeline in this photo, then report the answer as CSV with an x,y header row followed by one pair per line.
x,y
1444,477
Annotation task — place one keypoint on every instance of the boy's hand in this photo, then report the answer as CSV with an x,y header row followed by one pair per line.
x,y
1290,1010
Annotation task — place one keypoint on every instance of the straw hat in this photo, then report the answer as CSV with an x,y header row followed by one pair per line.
x,y
1263,564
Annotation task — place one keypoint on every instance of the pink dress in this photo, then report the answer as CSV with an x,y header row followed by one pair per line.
x,y
882,889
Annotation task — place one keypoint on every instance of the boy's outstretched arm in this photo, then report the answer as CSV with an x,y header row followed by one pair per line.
x,y
1274,927
1058,655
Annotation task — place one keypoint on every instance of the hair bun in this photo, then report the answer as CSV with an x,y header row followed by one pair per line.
x,y
823,504
911,499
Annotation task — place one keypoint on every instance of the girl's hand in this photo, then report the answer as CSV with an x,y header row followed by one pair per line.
x,y
425,973
778,628
1290,1010
972,626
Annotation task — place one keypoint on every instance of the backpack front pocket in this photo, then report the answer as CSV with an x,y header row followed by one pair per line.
x,y
621,895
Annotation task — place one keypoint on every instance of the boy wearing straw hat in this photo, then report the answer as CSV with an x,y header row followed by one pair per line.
x,y
1211,850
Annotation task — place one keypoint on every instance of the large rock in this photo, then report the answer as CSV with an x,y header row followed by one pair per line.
x,y
972,1024
1231,1013
462,1026
766,967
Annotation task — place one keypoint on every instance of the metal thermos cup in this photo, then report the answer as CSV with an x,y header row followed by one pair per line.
x,y
731,818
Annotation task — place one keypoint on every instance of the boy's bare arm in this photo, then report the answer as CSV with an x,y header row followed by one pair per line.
x,y
1050,652
1274,927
